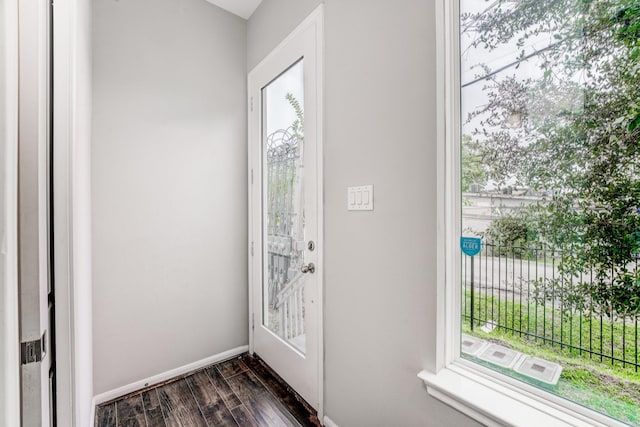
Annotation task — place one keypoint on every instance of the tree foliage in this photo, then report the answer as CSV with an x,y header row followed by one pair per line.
x,y
573,131
473,167
510,235
298,123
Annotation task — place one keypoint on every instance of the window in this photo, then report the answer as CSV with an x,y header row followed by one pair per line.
x,y
542,178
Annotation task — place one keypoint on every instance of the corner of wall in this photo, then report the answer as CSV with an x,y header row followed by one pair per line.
x,y
328,422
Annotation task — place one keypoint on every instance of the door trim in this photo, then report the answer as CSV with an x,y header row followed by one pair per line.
x,y
9,320
315,18
72,213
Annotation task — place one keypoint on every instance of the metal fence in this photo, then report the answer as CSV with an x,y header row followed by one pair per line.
x,y
285,234
500,293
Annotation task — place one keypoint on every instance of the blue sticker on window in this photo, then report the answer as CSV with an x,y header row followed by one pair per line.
x,y
470,245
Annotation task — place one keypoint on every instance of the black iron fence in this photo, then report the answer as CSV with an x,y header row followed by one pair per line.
x,y
502,293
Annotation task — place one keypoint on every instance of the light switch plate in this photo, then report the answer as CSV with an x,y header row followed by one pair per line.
x,y
360,198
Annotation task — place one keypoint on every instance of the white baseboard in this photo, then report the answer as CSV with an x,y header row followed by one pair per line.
x,y
92,413
328,423
165,376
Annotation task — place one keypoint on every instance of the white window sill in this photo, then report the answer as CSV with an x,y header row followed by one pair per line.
x,y
493,403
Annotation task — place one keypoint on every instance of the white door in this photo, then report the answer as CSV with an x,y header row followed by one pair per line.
x,y
36,296
285,209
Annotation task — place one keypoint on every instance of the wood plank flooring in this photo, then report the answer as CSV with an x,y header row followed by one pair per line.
x,y
242,391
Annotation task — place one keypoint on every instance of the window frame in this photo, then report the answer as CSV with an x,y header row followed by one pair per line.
x,y
475,390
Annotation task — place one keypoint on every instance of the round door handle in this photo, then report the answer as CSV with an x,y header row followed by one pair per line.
x,y
309,268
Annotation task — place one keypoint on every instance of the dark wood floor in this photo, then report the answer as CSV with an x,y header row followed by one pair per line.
x,y
242,391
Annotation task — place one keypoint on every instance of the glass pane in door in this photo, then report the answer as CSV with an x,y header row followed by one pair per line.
x,y
283,206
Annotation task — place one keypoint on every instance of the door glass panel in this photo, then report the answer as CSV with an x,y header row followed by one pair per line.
x,y
283,206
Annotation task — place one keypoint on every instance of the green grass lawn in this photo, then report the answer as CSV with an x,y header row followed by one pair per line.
x,y
612,388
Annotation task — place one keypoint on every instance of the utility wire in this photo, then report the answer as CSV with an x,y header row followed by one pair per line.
x,y
514,63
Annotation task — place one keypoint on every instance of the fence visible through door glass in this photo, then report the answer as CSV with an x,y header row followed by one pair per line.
x,y
283,196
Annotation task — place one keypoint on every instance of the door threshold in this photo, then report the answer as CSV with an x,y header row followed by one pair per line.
x,y
281,390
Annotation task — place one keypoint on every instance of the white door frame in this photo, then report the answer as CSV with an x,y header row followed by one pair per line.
x,y
72,244
255,221
9,316
72,211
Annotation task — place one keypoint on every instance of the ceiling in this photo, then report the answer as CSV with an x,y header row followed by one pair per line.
x,y
242,8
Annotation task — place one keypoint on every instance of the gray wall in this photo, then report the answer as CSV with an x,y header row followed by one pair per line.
x,y
380,129
168,185
271,23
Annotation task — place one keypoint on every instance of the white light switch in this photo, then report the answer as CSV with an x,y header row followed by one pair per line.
x,y
360,198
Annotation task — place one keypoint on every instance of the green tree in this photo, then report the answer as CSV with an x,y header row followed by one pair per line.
x,y
510,235
573,132
473,167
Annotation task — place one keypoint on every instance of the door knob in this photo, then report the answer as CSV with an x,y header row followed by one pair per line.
x,y
309,268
